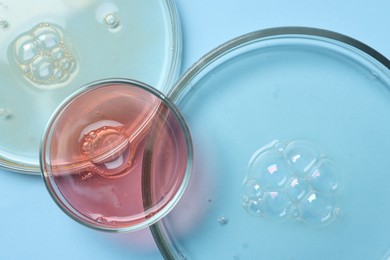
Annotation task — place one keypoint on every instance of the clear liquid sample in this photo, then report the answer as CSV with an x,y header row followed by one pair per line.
x,y
116,156
59,46
286,87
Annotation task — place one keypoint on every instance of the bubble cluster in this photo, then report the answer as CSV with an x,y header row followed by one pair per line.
x,y
291,181
108,149
44,57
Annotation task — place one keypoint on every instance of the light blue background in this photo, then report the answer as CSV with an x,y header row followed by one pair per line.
x,y
33,227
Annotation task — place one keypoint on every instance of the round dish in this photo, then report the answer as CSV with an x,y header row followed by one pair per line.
x,y
116,155
290,131
58,46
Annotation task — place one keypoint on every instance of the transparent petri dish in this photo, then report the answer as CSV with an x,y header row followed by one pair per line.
x,y
116,155
290,130
57,46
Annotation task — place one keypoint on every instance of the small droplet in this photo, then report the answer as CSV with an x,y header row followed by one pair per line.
x,y
222,220
111,21
374,75
4,24
5,113
99,220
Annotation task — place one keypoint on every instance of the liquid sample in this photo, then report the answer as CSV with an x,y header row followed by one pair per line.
x,y
291,180
58,46
118,167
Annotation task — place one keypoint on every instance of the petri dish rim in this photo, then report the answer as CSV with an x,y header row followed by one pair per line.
x,y
171,76
56,194
165,242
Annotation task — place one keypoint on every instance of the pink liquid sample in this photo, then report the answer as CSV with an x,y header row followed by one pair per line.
x,y
116,156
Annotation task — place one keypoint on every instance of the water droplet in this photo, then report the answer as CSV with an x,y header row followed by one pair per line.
x,y
222,220
112,21
4,24
374,75
5,113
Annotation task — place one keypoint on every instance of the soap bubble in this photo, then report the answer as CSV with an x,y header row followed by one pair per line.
x,y
302,156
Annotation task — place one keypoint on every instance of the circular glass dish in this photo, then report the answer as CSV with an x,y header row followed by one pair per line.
x,y
290,130
59,45
116,155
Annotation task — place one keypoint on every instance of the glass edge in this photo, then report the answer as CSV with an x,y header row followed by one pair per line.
x,y
177,45
264,33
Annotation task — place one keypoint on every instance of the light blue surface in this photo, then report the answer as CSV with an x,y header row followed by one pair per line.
x,y
33,227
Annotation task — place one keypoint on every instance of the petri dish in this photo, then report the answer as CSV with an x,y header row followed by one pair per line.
x,y
59,46
116,155
290,130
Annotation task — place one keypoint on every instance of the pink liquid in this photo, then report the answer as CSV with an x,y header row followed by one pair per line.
x,y
118,155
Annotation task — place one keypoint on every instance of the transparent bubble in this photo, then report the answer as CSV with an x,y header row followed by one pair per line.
x,y
276,205
222,220
302,156
112,21
28,50
254,207
325,177
48,40
251,190
42,68
57,53
272,170
297,189
317,209
251,196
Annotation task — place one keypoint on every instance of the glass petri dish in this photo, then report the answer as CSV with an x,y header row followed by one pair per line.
x,y
58,46
116,155
290,130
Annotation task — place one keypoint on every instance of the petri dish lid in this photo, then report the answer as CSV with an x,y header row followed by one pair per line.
x,y
290,130
116,155
59,46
